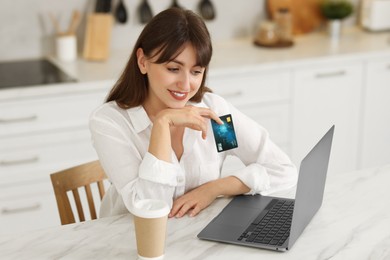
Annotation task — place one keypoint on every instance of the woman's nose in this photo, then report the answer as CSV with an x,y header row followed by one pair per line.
x,y
185,81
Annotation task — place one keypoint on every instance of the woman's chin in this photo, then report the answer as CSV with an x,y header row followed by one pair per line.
x,y
177,105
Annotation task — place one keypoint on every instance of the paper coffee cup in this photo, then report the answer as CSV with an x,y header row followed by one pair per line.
x,y
150,221
66,47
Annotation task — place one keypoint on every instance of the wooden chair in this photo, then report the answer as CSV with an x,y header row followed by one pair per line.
x,y
70,180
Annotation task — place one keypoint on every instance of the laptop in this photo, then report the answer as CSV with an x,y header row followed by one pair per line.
x,y
275,223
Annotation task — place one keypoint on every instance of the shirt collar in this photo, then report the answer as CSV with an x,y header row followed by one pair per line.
x,y
139,118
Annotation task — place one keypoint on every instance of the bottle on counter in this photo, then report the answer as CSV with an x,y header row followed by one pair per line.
x,y
283,20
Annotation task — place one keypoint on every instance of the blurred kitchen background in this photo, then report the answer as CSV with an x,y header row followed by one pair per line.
x,y
27,30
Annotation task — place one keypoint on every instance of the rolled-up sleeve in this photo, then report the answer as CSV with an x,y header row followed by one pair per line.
x,y
155,170
268,169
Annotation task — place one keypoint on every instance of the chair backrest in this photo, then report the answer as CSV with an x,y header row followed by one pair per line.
x,y
70,180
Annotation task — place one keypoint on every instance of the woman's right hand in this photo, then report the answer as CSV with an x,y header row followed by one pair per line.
x,y
189,116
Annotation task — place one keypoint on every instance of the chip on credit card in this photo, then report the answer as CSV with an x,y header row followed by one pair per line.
x,y
225,136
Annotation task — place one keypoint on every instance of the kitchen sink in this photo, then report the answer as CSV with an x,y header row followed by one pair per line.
x,y
26,73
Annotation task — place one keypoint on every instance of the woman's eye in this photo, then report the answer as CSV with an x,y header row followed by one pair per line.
x,y
173,69
197,72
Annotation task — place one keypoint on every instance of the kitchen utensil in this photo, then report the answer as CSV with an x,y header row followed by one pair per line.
x,y
55,23
145,12
306,15
175,4
99,6
66,47
107,6
121,13
206,10
74,22
103,6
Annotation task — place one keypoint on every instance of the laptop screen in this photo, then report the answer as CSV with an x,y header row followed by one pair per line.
x,y
311,185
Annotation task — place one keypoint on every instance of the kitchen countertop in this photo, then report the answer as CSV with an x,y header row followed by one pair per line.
x,y
353,223
354,44
239,55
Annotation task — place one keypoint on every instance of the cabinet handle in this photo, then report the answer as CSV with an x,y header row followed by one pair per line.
x,y
18,119
233,94
331,74
6,211
33,159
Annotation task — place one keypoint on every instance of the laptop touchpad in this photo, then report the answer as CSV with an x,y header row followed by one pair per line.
x,y
233,216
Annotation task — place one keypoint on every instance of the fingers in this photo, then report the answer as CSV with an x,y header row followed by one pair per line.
x,y
191,209
195,211
184,205
193,201
200,125
180,208
192,117
206,112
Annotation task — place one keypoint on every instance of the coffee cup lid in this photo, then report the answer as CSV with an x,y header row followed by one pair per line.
x,y
150,208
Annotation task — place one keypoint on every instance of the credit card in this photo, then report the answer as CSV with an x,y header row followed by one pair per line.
x,y
224,135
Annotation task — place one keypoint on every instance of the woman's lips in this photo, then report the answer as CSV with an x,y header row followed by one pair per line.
x,y
178,95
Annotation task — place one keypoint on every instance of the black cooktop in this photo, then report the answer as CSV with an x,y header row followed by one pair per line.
x,y
30,72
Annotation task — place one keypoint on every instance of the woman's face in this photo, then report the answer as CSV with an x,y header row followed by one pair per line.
x,y
171,84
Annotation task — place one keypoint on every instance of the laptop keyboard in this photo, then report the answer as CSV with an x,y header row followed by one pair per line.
x,y
272,227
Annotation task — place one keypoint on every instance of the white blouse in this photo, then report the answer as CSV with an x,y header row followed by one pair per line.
x,y
121,139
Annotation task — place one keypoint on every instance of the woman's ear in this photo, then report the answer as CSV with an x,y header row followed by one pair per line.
x,y
141,60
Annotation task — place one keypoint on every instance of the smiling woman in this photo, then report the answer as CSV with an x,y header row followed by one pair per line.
x,y
178,78
163,40
153,135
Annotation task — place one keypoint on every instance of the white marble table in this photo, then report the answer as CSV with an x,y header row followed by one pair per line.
x,y
353,223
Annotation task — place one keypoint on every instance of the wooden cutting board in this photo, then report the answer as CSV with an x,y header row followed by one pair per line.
x,y
98,36
306,14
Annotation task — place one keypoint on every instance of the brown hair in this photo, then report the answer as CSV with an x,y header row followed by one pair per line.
x,y
166,34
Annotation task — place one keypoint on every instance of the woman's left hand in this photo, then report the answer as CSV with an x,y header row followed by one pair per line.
x,y
193,201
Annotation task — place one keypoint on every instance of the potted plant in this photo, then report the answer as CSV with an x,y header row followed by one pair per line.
x,y
335,11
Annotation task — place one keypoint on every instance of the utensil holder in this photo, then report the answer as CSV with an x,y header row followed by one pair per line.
x,y
66,47
98,37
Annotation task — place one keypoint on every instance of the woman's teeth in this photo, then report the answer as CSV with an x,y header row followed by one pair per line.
x,y
178,94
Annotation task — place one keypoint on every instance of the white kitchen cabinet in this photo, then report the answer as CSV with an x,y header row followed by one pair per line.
x,y
44,113
263,95
39,135
27,206
324,95
375,149
33,157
